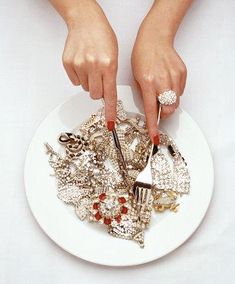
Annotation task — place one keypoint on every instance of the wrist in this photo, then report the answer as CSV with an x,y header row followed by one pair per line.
x,y
71,19
161,25
164,39
75,15
153,33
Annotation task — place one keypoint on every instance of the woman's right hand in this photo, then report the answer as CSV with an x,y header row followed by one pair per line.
x,y
90,55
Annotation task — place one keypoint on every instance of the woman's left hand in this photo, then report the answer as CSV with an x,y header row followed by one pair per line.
x,y
157,68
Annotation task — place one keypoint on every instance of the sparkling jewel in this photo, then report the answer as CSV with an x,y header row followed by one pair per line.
x,y
107,221
102,196
98,216
167,98
122,199
96,205
89,176
124,210
118,218
82,208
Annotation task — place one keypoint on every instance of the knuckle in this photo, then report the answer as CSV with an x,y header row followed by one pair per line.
x,y
109,63
146,81
150,114
74,82
150,122
78,62
85,86
183,69
175,74
91,59
163,77
67,60
111,103
94,94
149,110
166,111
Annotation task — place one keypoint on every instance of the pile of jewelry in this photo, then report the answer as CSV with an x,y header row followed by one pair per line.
x,y
90,178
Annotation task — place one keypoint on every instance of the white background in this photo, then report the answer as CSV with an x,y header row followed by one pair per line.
x,y
33,82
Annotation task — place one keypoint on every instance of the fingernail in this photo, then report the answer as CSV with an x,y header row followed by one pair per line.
x,y
156,139
110,125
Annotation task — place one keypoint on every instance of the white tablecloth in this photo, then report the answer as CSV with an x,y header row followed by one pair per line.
x,y
33,82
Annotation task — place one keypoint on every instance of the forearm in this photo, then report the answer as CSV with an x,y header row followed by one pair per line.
x,y
74,11
166,16
90,55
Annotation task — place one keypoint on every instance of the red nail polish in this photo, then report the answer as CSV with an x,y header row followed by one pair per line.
x,y
156,139
110,125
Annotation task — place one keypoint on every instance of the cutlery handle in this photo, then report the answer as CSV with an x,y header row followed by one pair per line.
x,y
118,146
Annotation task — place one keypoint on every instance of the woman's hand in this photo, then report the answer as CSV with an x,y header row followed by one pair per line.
x,y
156,65
157,68
91,51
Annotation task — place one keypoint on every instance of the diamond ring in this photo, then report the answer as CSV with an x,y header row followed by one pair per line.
x,y
167,98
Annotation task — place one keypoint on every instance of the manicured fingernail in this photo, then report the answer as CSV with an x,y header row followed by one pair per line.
x,y
156,139
110,125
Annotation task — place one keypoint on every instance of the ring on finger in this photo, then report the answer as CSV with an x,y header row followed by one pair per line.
x,y
167,98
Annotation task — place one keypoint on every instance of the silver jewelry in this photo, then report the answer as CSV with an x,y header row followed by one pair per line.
x,y
89,176
167,98
170,175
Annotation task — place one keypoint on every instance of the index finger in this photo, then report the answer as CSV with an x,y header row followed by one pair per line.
x,y
110,99
151,113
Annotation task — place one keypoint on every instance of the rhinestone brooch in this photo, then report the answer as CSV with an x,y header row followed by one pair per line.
x,y
87,170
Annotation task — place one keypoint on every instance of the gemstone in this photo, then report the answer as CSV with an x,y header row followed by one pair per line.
x,y
96,205
122,200
167,98
90,177
98,216
124,210
102,196
107,221
110,204
81,212
118,218
71,194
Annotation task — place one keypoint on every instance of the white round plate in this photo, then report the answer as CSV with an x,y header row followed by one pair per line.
x,y
91,242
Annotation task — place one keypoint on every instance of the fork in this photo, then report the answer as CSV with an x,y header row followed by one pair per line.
x,y
143,183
